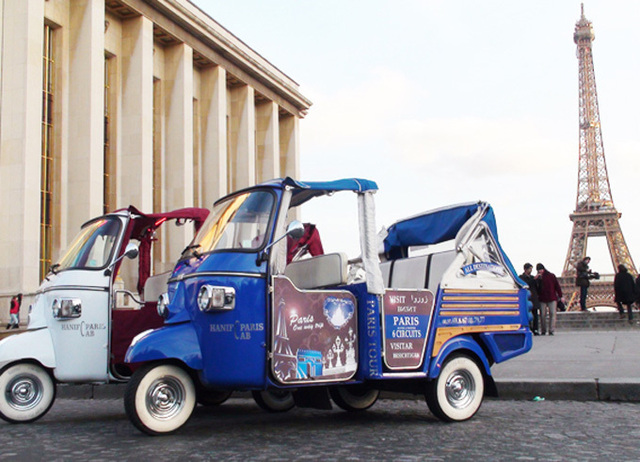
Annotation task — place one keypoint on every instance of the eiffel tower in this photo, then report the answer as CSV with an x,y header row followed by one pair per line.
x,y
284,361
595,215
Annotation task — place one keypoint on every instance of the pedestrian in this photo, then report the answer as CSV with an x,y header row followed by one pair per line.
x,y
14,312
638,291
625,289
549,292
583,275
533,290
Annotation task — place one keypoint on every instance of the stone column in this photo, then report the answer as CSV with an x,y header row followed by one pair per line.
x,y
20,145
214,134
135,166
178,172
290,147
86,112
242,123
267,141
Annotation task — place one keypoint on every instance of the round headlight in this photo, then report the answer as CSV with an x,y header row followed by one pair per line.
x,y
56,307
204,298
163,305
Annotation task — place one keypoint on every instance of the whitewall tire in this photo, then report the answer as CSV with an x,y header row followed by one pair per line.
x,y
457,393
354,397
160,398
27,392
274,400
212,398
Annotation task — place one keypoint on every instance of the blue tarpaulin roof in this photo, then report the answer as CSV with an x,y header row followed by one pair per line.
x,y
438,226
305,190
345,184
435,226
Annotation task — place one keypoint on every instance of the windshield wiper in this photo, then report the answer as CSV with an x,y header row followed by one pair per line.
x,y
52,270
192,247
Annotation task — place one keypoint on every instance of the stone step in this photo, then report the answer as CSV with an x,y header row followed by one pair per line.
x,y
576,320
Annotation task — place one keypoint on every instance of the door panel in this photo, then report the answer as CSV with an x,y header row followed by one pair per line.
x,y
314,335
80,342
233,341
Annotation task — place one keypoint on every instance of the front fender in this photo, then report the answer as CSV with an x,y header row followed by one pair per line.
x,y
176,341
462,342
32,344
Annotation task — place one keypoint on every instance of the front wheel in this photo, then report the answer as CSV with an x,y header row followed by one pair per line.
x,y
354,397
457,393
274,400
27,392
160,398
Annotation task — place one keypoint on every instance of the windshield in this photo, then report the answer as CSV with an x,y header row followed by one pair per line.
x,y
241,222
93,246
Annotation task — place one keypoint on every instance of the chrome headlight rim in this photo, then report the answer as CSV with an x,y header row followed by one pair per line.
x,y
204,298
66,308
216,298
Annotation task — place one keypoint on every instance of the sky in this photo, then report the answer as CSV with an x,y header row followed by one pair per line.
x,y
442,102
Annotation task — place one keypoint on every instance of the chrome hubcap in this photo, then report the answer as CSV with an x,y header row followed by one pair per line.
x,y
24,392
460,389
165,398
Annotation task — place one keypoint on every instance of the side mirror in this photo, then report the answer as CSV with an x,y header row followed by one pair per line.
x,y
131,251
295,229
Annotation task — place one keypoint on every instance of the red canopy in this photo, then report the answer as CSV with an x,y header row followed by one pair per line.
x,y
150,221
142,228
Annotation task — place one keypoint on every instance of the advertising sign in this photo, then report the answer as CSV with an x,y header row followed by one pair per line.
x,y
315,333
407,314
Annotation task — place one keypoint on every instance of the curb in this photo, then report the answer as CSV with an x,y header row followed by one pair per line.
x,y
626,390
571,390
91,391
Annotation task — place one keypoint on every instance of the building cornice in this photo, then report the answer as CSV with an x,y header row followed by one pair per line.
x,y
202,26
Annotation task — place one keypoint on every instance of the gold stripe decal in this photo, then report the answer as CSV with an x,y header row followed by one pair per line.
x,y
475,306
443,334
480,313
462,298
479,293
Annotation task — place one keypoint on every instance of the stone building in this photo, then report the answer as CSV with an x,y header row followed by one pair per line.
x,y
106,103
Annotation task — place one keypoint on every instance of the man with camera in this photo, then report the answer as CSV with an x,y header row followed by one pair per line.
x,y
584,274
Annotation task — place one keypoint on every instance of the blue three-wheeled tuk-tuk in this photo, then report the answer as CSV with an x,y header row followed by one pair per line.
x,y
429,314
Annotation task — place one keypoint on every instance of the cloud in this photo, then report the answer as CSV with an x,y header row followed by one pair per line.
x,y
390,112
366,110
524,162
482,147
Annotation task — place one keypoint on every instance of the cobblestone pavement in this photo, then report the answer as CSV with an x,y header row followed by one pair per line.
x,y
394,430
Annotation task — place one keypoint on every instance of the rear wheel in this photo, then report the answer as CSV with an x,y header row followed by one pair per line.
x,y
274,400
212,397
354,397
27,392
457,393
160,398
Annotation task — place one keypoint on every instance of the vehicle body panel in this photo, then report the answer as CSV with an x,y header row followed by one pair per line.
x,y
177,341
33,345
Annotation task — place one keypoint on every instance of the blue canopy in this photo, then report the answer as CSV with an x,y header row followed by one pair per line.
x,y
434,226
437,226
345,184
305,190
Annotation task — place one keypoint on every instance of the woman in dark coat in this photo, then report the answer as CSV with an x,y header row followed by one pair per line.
x,y
624,287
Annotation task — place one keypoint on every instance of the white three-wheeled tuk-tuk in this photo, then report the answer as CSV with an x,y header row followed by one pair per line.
x,y
101,293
